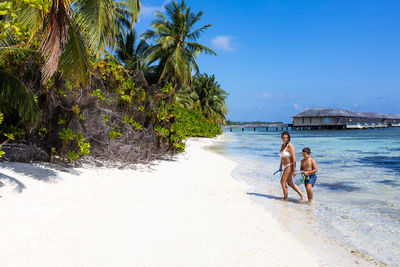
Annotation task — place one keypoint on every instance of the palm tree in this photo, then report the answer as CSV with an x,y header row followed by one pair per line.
x,y
187,97
211,97
127,52
175,43
69,30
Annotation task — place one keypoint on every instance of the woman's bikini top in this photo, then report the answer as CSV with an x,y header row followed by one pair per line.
x,y
284,153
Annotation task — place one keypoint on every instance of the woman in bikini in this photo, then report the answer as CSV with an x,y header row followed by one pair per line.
x,y
288,162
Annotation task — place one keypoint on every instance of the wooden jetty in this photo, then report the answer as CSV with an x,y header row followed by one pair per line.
x,y
266,126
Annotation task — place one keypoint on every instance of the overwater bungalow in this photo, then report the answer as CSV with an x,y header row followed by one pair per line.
x,y
329,118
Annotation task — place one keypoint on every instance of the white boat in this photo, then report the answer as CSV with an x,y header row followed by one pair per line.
x,y
381,125
354,126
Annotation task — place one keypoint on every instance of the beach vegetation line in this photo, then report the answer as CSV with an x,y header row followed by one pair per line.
x,y
76,84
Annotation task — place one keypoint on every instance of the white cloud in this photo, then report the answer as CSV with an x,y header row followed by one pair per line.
x,y
278,96
264,96
296,106
224,43
149,11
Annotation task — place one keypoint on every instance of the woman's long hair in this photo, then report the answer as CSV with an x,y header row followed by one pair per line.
x,y
286,133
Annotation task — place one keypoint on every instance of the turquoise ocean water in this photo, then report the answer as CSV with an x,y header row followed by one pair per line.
x,y
357,194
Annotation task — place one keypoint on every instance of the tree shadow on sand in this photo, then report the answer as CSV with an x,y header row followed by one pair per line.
x,y
19,186
297,201
38,172
35,171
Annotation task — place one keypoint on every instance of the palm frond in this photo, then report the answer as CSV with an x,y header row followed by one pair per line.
x,y
134,7
125,45
31,18
148,34
193,36
97,17
74,62
54,38
14,93
199,48
141,48
187,97
8,45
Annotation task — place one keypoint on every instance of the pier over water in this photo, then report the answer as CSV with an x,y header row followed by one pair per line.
x,y
266,126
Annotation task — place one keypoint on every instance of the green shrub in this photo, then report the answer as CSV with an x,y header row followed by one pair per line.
x,y
66,134
84,147
71,156
190,123
114,134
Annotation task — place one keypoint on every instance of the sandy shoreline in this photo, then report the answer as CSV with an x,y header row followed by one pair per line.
x,y
184,212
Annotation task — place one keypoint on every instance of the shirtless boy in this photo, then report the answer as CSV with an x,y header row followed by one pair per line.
x,y
308,167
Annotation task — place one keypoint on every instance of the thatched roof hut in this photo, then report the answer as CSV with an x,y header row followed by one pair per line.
x,y
331,112
338,118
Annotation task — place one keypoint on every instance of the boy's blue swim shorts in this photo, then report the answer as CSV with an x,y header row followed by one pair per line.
x,y
310,180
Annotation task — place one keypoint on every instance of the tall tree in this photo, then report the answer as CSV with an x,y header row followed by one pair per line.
x,y
68,30
211,97
175,43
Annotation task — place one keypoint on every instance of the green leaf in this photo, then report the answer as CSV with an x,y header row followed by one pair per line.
x,y
14,93
71,156
10,136
66,134
74,62
6,5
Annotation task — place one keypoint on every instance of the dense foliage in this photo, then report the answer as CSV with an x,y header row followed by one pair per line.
x,y
191,123
63,96
206,95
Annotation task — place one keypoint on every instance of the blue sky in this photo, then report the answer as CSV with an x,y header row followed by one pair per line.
x,y
276,58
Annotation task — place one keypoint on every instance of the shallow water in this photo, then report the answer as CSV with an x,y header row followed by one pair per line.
x,y
357,193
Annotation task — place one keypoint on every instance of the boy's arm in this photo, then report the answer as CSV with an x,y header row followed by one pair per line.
x,y
301,164
314,167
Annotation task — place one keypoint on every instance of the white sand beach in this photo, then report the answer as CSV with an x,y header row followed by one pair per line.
x,y
183,212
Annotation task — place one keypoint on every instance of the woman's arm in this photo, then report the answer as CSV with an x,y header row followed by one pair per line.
x,y
291,151
280,164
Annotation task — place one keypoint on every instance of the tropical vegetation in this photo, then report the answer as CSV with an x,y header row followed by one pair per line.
x,y
75,83
206,95
190,122
175,43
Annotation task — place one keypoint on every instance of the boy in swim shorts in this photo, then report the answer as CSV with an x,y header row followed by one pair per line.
x,y
308,168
